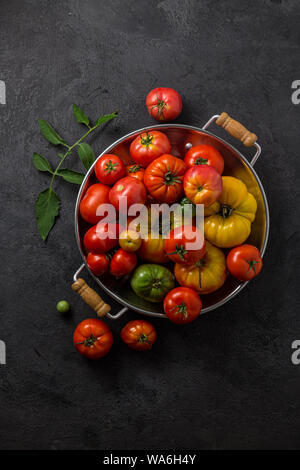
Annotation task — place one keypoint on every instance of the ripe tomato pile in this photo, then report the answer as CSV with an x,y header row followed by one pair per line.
x,y
162,267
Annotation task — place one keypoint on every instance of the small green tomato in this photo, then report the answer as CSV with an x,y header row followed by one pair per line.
x,y
63,306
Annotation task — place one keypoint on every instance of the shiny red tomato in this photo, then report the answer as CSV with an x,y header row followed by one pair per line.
x,y
148,146
93,338
96,195
98,263
109,168
244,262
204,155
182,305
177,245
139,334
164,104
136,171
101,237
122,263
202,184
164,177
131,188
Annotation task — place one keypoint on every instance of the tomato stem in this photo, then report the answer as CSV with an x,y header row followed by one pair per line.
x,y
88,342
252,264
180,251
180,309
171,179
201,161
160,108
146,140
226,210
134,168
110,166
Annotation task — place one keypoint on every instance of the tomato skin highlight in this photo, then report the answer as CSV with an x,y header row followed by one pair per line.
x,y
148,146
244,262
92,338
182,305
109,168
96,195
202,185
122,263
98,263
204,155
130,187
93,241
164,178
139,335
177,242
164,104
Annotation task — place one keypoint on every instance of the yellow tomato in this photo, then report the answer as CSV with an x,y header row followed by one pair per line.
x,y
130,240
152,249
206,275
228,222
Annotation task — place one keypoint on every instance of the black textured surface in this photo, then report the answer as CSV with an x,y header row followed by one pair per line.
x,y
226,381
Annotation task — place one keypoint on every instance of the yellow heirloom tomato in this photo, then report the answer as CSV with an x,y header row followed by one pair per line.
x,y
228,223
206,275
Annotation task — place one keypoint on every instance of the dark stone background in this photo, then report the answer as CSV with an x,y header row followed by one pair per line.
x,y
226,381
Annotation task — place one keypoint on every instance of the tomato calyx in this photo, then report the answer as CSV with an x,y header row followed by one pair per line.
x,y
180,251
226,210
147,141
201,161
110,167
180,309
171,179
134,168
88,342
144,339
252,264
160,108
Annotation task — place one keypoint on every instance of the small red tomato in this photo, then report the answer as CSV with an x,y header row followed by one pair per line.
x,y
136,171
164,104
96,195
122,263
93,338
131,188
244,262
101,237
109,168
202,185
204,155
139,335
148,146
98,263
182,305
178,241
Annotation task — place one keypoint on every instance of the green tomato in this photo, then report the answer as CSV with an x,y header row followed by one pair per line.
x,y
63,306
152,282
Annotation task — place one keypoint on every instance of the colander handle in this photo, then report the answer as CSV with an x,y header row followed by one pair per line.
x,y
91,298
237,130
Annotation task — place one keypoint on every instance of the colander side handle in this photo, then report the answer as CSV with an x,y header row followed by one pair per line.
x,y
236,130
92,298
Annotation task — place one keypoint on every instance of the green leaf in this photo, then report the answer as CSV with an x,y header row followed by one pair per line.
x,y
41,163
46,210
80,116
50,134
61,155
71,176
86,155
106,118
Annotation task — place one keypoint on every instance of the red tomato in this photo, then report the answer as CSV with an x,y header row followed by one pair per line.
x,y
122,263
109,168
101,237
177,243
204,155
136,171
132,188
163,178
244,262
182,305
164,104
148,146
93,338
202,185
96,195
98,264
139,334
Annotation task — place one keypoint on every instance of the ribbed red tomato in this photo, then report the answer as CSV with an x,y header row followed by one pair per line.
x,y
139,334
136,171
93,338
182,305
96,195
204,155
178,241
148,146
164,104
164,178
202,185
